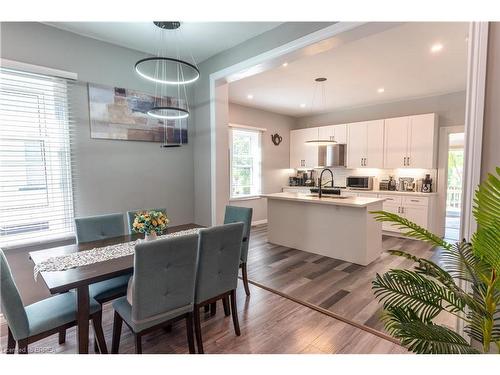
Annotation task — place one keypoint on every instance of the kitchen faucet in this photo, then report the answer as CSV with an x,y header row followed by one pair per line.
x,y
321,181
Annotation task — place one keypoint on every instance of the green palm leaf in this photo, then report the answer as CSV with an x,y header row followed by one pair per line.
x,y
486,208
410,229
424,337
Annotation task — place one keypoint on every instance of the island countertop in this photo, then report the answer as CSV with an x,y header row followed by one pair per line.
x,y
307,198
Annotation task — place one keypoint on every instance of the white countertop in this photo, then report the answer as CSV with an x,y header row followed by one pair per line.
x,y
359,202
384,192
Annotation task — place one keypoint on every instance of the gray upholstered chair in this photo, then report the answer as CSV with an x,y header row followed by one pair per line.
x,y
41,319
94,228
217,278
235,214
162,289
131,216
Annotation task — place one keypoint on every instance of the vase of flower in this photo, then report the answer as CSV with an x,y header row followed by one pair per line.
x,y
151,223
150,236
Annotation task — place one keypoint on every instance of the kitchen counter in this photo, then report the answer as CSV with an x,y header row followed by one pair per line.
x,y
335,200
383,192
339,228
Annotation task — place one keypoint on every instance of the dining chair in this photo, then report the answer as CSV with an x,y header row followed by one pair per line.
x,y
131,216
219,250
162,289
39,320
94,228
236,214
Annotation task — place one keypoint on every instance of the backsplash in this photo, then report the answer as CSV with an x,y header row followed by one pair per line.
x,y
340,174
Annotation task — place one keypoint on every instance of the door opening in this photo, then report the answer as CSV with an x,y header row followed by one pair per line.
x,y
454,183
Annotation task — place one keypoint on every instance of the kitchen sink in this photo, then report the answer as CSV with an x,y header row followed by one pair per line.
x,y
325,196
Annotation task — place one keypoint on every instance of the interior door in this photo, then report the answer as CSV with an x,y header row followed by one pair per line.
x,y
356,148
421,146
396,142
374,144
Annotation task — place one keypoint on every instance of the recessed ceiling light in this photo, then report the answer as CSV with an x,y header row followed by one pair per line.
x,y
380,90
436,47
303,105
250,96
285,64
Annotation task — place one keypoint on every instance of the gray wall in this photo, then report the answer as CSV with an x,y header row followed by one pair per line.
x,y
110,176
449,107
202,147
491,131
275,159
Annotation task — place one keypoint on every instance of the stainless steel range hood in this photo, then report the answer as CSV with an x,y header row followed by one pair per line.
x,y
330,156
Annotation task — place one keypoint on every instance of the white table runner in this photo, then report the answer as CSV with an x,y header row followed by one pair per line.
x,y
96,255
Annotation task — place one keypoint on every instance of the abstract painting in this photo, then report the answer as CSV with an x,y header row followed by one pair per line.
x,y
119,113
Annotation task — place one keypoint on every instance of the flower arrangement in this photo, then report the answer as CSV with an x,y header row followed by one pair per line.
x,y
150,222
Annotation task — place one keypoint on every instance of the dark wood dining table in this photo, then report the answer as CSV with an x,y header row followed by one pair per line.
x,y
80,278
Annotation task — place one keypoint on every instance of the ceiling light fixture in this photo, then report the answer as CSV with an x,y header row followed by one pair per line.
x,y
285,64
436,47
250,96
303,105
380,90
320,142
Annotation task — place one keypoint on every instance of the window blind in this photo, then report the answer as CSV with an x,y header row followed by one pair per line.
x,y
36,195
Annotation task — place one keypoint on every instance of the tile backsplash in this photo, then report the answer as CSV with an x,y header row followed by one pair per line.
x,y
340,174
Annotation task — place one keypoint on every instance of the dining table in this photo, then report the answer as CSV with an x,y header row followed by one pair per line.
x,y
81,277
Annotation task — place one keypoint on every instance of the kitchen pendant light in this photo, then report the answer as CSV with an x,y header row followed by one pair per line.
x,y
318,141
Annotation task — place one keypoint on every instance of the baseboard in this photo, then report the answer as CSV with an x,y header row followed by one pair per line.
x,y
259,222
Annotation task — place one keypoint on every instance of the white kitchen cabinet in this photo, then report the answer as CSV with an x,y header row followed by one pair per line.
x,y
303,155
365,148
411,142
392,207
416,214
337,133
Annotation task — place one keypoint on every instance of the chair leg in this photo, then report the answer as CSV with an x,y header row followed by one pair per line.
x,y
225,304
197,329
117,331
213,308
99,334
62,336
22,346
11,343
138,344
234,313
245,278
190,337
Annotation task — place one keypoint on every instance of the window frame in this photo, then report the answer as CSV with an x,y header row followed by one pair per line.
x,y
256,165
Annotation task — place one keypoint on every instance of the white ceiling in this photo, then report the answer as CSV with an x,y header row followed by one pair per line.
x,y
398,59
201,39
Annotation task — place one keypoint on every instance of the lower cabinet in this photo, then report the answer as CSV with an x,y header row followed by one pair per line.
x,y
416,209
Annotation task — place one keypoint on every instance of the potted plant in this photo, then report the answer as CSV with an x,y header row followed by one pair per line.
x,y
467,285
151,223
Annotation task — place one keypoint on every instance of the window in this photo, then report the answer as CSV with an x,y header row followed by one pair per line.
x,y
36,197
245,161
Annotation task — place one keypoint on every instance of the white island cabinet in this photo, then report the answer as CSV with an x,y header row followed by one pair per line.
x,y
340,228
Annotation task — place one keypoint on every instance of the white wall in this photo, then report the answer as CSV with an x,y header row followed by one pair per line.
x,y
275,159
449,107
109,175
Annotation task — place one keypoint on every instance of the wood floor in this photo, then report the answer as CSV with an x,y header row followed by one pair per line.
x,y
337,286
270,324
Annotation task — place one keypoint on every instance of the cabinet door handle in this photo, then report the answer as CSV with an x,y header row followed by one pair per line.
x,y
408,161
402,210
365,162
404,161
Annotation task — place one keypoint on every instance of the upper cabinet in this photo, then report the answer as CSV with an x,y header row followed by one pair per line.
x,y
303,155
365,148
411,142
337,133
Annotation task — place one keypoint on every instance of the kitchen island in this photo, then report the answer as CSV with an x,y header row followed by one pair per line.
x,y
337,227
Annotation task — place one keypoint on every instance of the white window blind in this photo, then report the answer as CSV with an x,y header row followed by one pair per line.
x,y
245,160
36,196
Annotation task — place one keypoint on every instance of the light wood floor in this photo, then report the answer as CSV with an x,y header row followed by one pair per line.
x,y
269,324
337,286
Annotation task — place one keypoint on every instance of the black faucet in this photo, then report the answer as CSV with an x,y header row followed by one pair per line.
x,y
321,181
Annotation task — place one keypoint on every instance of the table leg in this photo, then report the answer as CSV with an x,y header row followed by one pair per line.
x,y
83,319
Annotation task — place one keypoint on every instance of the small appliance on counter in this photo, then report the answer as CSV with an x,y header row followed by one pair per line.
x,y
392,183
406,184
359,182
427,184
309,180
383,185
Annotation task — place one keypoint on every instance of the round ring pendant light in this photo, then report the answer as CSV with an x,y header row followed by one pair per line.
x,y
168,113
318,141
148,69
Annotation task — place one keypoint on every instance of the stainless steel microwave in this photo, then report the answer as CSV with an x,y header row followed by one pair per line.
x,y
359,182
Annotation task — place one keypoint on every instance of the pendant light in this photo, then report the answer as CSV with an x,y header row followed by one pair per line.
x,y
320,142
170,74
